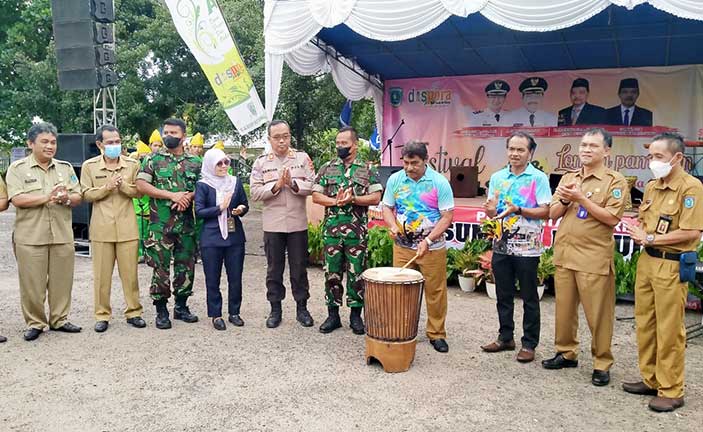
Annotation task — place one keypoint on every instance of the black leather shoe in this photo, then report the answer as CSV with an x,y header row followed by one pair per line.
x,y
137,322
68,328
236,320
600,377
182,312
333,322
304,318
356,322
276,316
559,362
3,339
32,334
219,324
440,345
101,326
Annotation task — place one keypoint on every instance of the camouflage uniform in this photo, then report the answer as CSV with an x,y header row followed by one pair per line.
x,y
345,229
171,233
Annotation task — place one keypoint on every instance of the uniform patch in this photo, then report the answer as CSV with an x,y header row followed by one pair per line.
x,y
617,193
689,202
74,178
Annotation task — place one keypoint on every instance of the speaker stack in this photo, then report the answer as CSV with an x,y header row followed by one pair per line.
x,y
85,43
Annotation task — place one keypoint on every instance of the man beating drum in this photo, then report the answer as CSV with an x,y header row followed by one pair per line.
x,y
418,205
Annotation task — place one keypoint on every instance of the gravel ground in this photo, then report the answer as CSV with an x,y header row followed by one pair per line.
x,y
192,378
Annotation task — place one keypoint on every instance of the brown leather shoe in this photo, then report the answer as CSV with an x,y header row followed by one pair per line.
x,y
525,355
639,388
498,346
663,404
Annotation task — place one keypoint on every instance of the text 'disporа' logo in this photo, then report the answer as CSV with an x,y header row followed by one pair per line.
x,y
427,97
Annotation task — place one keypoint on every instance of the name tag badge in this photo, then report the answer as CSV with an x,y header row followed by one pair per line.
x,y
231,227
663,224
581,213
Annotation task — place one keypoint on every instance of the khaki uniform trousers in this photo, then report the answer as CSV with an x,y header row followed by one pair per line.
x,y
597,295
660,302
104,255
42,269
433,267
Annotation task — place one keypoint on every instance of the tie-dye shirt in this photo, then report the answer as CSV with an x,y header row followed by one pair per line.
x,y
530,189
418,205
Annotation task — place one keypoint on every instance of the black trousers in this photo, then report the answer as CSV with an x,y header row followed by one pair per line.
x,y
508,269
275,245
233,259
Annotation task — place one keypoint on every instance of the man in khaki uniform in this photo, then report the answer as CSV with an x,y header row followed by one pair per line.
x,y
283,179
671,221
108,181
4,203
43,190
591,202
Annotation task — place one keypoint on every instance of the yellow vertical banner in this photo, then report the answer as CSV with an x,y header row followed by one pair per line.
x,y
203,28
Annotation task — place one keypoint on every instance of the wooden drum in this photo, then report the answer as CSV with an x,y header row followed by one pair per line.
x,y
392,301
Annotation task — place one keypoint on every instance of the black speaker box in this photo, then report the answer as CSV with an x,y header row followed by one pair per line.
x,y
76,148
464,181
384,172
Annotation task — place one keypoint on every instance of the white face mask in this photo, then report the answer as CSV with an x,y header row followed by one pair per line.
x,y
660,169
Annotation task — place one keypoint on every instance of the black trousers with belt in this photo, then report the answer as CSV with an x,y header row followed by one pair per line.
x,y
233,259
275,245
508,269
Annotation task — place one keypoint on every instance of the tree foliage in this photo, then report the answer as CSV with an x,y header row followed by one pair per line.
x,y
158,76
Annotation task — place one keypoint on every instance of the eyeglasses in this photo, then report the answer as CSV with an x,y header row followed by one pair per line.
x,y
223,162
284,137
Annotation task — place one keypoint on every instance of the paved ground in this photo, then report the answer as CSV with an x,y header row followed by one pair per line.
x,y
192,378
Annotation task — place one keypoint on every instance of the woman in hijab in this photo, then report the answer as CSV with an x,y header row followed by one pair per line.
x,y
220,201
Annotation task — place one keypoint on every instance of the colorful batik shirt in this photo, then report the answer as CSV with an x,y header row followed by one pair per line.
x,y
520,235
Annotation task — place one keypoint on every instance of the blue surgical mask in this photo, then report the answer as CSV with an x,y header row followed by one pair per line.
x,y
113,151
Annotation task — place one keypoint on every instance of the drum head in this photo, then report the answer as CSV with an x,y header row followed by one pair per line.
x,y
392,274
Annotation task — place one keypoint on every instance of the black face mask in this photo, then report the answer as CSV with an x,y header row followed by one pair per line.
x,y
171,142
343,152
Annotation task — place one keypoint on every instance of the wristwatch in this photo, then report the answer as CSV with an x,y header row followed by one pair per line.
x,y
428,241
649,239
564,202
519,211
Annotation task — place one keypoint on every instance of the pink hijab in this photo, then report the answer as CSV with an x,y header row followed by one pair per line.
x,y
224,186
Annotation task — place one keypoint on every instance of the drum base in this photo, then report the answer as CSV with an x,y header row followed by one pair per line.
x,y
393,356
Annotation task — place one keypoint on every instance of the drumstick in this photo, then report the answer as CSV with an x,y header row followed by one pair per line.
x,y
409,262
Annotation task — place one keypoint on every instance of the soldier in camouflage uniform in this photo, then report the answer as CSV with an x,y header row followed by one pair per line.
x,y
346,187
169,178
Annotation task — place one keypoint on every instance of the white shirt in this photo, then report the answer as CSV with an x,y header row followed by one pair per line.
x,y
486,117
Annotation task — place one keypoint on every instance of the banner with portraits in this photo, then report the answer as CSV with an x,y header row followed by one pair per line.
x,y
467,119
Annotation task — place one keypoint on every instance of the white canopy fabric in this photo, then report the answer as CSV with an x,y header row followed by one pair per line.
x,y
290,25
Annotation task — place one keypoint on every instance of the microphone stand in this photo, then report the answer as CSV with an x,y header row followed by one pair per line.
x,y
390,141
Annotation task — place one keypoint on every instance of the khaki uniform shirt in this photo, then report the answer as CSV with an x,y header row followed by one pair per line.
x,y
49,223
113,218
681,201
285,210
583,243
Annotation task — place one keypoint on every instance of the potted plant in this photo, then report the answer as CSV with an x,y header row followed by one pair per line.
x,y
545,270
485,273
316,244
466,263
625,273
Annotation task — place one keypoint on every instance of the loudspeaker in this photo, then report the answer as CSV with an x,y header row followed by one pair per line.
x,y
384,172
83,34
464,181
554,180
76,148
